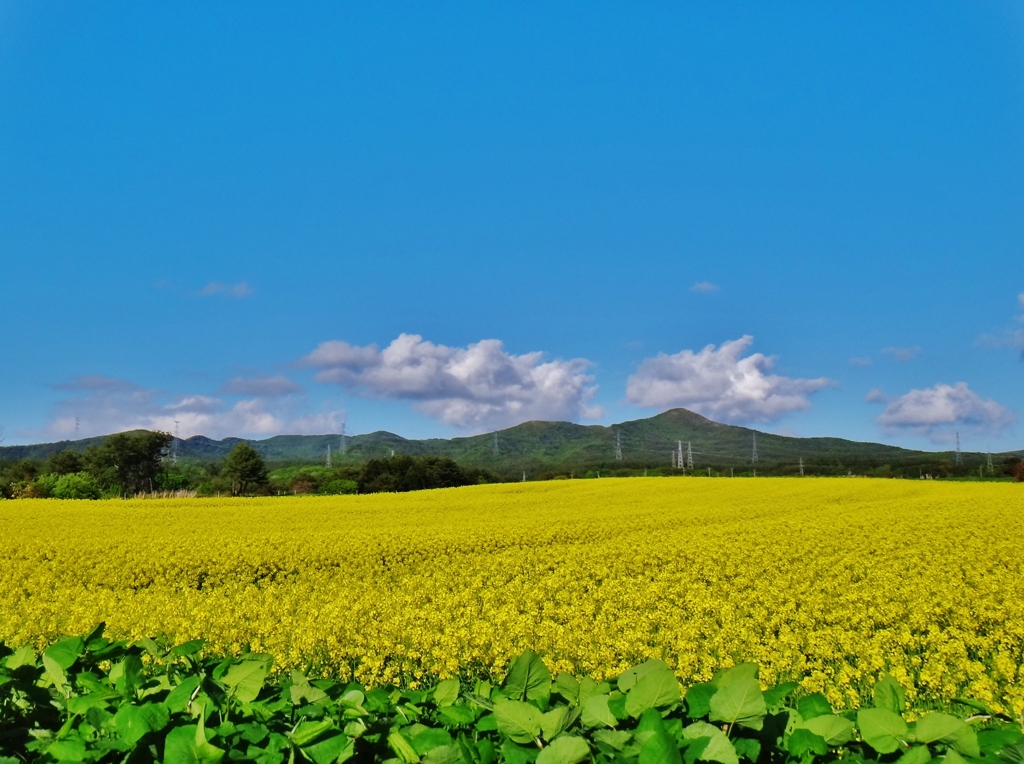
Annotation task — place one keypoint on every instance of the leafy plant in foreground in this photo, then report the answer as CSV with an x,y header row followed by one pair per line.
x,y
90,699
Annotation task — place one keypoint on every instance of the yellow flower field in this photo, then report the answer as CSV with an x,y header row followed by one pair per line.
x,y
836,580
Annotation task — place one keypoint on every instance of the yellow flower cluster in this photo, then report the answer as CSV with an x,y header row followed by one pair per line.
x,y
833,580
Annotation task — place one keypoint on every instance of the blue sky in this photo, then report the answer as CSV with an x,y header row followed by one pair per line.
x,y
444,218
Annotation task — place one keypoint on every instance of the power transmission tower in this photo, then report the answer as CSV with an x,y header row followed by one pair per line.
x,y
959,456
524,476
801,466
76,428
753,458
689,455
174,452
991,469
495,443
344,446
679,454
328,455
618,446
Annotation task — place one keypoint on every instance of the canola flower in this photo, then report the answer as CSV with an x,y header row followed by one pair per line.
x,y
834,580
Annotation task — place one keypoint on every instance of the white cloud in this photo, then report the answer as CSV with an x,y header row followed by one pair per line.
x,y
704,287
862,361
903,355
104,405
1020,300
239,290
266,387
721,384
875,395
478,387
939,412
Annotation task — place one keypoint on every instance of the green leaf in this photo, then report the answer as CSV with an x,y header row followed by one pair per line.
x,y
301,691
188,648
615,739
889,694
803,741
329,749
919,754
133,722
517,754
568,687
56,675
813,705
739,701
65,652
517,720
429,738
709,743
597,713
659,747
698,699
67,750
632,676
306,732
447,692
777,694
245,678
747,748
943,728
994,740
177,699
739,672
455,716
834,729
528,678
881,728
568,749
654,689
402,748
557,720
187,745
23,656
446,754
952,757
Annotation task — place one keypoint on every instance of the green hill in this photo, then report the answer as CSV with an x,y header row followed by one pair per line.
x,y
553,447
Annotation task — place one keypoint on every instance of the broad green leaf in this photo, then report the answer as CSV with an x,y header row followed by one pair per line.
x,y
710,743
301,691
67,750
741,672
632,676
23,656
306,732
834,729
188,648
447,692
698,699
557,720
777,694
402,748
802,741
993,741
177,699
329,749
517,754
654,689
589,688
615,739
597,713
568,687
56,675
245,678
658,747
528,678
813,705
739,701
952,757
181,746
517,720
747,748
938,727
447,754
133,722
429,738
456,715
81,704
65,652
881,728
568,749
919,754
889,694
127,676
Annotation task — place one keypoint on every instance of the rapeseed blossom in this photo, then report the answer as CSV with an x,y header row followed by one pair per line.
x,y
834,580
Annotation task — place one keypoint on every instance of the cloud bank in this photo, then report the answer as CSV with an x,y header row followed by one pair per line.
x,y
721,384
477,387
239,290
940,411
105,404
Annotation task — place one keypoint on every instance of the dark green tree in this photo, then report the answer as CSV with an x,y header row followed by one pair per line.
x,y
66,462
130,461
246,470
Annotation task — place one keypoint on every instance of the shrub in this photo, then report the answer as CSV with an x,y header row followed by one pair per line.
x,y
77,485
